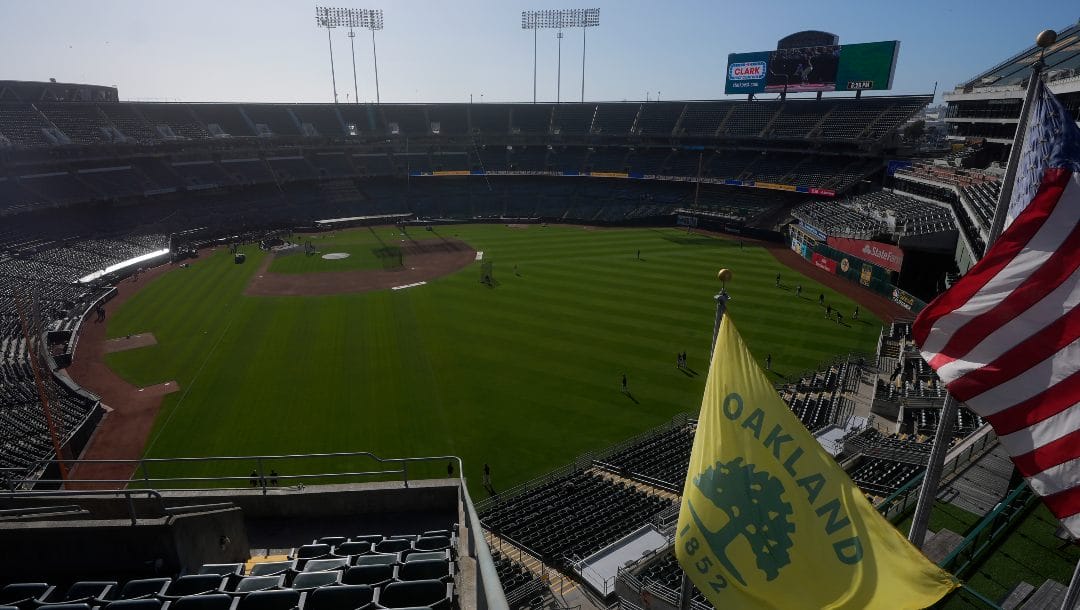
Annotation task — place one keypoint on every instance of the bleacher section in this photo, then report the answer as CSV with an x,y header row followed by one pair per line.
x,y
571,516
48,276
348,571
836,219
903,215
52,124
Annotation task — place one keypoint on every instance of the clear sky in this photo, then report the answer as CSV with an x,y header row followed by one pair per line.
x,y
442,50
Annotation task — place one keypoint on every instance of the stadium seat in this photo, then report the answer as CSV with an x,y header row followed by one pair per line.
x,y
312,551
271,568
431,593
376,560
67,606
23,593
217,601
433,543
322,565
432,569
257,583
347,549
222,569
331,540
393,545
372,538
427,556
147,587
344,597
194,584
305,581
270,600
148,603
369,575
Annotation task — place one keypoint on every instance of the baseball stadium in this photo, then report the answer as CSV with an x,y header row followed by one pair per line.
x,y
452,355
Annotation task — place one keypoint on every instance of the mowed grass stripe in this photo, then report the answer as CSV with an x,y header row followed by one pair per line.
x,y
524,376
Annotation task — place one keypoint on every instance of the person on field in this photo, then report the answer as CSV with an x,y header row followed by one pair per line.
x,y
449,469
839,317
768,362
625,386
798,290
254,480
273,478
821,299
778,280
487,478
828,311
855,314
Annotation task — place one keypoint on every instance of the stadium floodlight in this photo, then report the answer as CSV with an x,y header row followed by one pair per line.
x,y
352,18
329,18
560,19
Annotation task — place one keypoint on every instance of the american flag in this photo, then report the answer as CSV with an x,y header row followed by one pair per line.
x,y
1005,339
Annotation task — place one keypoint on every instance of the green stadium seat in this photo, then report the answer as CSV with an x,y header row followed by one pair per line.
x,y
431,593
432,569
148,603
257,583
272,568
21,593
369,575
270,600
322,565
217,601
305,581
223,569
382,559
146,587
194,584
427,556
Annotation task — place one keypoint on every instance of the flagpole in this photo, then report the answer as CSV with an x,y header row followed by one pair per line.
x,y
721,299
932,479
1043,40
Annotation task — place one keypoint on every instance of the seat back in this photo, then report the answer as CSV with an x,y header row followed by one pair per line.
x,y
344,597
216,601
432,569
145,587
376,560
311,580
149,603
368,575
22,591
414,593
270,600
195,584
259,583
312,551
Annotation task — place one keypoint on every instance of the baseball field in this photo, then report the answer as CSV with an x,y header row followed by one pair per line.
x,y
524,374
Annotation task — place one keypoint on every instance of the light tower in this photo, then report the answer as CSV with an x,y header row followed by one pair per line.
x,y
329,18
559,19
352,18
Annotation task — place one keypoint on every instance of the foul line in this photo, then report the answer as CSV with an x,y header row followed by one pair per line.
x,y
413,285
187,390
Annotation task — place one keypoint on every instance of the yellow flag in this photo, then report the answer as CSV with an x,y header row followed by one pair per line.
x,y
768,518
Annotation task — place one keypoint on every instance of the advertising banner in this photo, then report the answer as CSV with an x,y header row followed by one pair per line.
x,y
821,262
883,255
849,67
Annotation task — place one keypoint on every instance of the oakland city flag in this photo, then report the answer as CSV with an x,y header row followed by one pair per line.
x,y
768,518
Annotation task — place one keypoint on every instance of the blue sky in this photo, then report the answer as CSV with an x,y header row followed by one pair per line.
x,y
271,50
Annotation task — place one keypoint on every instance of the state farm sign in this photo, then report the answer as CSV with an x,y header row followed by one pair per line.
x,y
747,70
882,255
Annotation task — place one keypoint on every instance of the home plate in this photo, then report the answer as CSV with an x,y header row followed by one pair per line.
x,y
480,255
335,256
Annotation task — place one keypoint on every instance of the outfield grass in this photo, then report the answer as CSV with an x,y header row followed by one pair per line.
x,y
524,376
369,248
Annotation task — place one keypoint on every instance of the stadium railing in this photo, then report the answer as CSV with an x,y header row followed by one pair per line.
x,y
970,449
493,596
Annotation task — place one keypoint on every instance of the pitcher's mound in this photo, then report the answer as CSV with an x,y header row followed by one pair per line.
x,y
335,256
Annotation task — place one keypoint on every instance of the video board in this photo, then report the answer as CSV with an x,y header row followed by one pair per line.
x,y
849,67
